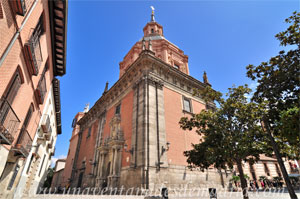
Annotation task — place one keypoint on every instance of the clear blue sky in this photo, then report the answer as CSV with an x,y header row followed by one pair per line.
x,y
220,37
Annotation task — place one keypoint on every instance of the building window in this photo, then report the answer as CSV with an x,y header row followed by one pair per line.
x,y
152,30
89,132
7,115
118,109
28,116
33,48
29,165
267,171
176,66
277,170
1,11
41,90
13,88
252,171
42,165
13,178
74,122
187,105
20,7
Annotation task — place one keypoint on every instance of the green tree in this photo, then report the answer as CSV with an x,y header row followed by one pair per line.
x,y
229,134
278,87
47,183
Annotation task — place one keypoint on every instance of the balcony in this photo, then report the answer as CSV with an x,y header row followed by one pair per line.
x,y
34,55
9,123
47,137
40,91
23,144
52,153
19,7
50,145
116,139
46,127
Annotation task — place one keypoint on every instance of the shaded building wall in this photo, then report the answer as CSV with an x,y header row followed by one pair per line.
x,y
31,89
72,151
57,180
85,155
16,61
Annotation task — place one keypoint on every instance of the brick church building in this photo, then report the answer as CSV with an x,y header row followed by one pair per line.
x,y
131,136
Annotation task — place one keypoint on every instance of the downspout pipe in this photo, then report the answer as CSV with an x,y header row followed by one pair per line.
x,y
15,37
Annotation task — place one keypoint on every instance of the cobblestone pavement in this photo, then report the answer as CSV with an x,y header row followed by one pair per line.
x,y
224,195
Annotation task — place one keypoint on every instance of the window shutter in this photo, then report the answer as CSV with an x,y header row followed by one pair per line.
x,y
187,106
13,89
28,116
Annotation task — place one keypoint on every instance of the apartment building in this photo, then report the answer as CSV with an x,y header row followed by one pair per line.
x,y
33,55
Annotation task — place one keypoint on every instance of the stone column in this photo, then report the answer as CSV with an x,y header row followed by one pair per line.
x,y
111,172
115,161
101,159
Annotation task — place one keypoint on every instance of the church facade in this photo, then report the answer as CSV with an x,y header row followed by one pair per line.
x,y
131,136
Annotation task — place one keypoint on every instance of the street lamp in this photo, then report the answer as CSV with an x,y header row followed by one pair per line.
x,y
164,149
128,151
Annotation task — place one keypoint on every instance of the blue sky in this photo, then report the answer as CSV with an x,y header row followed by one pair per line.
x,y
220,37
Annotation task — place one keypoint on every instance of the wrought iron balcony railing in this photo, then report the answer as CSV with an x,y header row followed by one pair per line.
x,y
20,7
34,53
118,137
9,122
23,144
41,90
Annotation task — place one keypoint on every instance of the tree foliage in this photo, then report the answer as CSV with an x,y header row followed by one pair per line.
x,y
229,134
47,183
278,86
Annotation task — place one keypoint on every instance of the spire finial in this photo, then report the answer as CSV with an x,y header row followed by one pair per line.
x,y
86,108
106,88
205,80
152,15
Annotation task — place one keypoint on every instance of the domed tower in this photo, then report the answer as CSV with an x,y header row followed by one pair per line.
x,y
155,41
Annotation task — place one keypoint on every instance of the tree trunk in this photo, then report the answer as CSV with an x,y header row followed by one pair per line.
x,y
221,177
289,186
243,180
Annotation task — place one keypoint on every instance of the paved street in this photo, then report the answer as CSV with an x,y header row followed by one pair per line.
x,y
222,195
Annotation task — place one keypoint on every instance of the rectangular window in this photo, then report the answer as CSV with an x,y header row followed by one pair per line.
x,y
13,178
33,48
20,7
74,122
13,88
89,132
118,109
29,165
6,112
187,105
28,116
42,165
278,170
267,171
41,90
